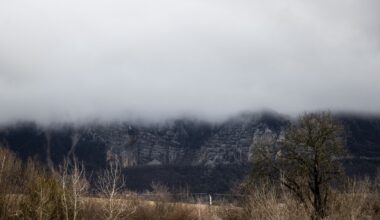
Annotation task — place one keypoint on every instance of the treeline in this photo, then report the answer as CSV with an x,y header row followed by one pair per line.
x,y
31,191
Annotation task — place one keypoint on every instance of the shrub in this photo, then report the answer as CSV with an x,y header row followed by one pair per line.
x,y
10,183
42,195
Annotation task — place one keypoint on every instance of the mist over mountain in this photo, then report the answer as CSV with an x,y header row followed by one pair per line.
x,y
79,61
183,152
167,88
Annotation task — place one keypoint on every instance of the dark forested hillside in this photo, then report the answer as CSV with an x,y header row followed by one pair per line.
x,y
180,152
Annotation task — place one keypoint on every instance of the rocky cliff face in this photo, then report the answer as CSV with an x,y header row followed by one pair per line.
x,y
177,143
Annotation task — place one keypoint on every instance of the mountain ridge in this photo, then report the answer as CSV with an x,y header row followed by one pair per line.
x,y
178,143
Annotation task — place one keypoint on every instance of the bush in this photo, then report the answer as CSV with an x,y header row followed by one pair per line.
x,y
10,183
355,201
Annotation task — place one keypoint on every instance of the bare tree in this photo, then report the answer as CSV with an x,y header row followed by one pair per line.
x,y
305,160
74,186
111,185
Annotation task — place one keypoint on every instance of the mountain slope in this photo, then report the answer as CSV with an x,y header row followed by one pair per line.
x,y
190,144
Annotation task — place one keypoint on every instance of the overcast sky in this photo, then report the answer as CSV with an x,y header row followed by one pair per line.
x,y
120,59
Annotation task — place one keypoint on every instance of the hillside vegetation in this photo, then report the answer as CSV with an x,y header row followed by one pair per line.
x,y
297,174
182,152
30,191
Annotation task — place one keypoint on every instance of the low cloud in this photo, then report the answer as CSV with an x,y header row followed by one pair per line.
x,y
108,60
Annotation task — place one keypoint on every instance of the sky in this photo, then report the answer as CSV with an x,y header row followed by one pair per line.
x,y
78,60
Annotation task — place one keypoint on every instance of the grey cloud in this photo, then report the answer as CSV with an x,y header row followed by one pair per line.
x,y
80,60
